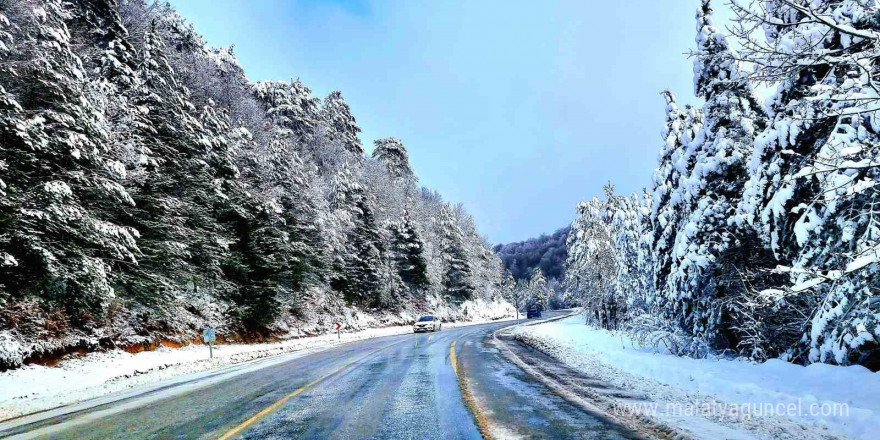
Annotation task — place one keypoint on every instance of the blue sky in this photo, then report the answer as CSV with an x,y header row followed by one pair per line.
x,y
517,109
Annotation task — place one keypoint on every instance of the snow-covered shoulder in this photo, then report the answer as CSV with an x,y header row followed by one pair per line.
x,y
773,400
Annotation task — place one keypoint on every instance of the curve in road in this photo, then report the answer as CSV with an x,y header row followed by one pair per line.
x,y
396,387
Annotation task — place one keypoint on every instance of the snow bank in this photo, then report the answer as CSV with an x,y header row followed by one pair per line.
x,y
482,310
34,388
611,356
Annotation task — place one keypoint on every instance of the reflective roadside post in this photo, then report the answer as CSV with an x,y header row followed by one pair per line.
x,y
209,335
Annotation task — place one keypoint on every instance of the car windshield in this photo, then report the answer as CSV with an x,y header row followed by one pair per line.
x,y
426,318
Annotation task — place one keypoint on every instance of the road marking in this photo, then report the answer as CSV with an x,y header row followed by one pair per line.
x,y
267,410
452,358
469,401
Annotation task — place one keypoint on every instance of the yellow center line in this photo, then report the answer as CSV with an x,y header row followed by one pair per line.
x,y
244,425
468,397
452,358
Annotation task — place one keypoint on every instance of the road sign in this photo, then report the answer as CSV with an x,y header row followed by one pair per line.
x,y
209,335
338,333
338,326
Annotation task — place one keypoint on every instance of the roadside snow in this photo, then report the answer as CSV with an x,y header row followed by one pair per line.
x,y
735,391
33,388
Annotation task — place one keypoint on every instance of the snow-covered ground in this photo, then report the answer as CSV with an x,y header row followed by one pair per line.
x,y
35,388
720,398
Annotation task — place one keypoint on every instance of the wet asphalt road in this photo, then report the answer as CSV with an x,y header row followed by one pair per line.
x,y
397,387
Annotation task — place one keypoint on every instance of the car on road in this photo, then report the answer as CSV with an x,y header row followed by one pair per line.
x,y
533,312
427,324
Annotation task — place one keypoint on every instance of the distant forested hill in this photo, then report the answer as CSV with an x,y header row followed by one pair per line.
x,y
547,252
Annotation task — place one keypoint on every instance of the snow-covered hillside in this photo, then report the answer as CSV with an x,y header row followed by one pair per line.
x,y
148,189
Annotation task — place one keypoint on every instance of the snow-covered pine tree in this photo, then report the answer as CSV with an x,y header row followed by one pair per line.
x,y
556,294
261,264
277,246
814,168
628,229
482,260
358,265
508,290
457,284
668,211
291,105
539,296
709,254
645,256
609,266
392,194
275,191
59,181
291,187
501,283
12,115
339,221
487,268
226,83
341,125
367,255
176,175
591,270
519,294
110,63
392,153
265,261
107,53
407,253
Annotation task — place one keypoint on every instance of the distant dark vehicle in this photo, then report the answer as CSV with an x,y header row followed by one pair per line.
x,y
533,312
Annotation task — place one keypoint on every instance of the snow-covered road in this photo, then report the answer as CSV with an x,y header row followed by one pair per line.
x,y
582,383
401,386
114,374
